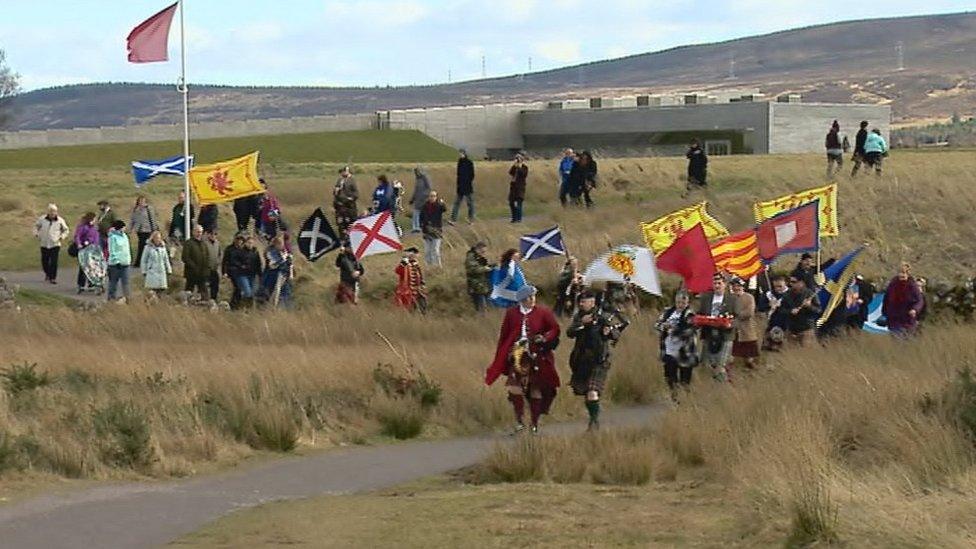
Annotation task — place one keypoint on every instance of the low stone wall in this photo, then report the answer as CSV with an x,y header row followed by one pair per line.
x,y
172,132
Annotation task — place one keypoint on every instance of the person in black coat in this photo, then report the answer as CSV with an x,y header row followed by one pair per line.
x,y
208,218
246,209
582,179
465,187
859,155
697,166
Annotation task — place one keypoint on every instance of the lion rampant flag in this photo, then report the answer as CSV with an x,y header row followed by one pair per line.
x,y
226,181
661,233
827,195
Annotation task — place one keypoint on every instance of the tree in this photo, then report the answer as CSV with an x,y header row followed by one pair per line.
x,y
9,86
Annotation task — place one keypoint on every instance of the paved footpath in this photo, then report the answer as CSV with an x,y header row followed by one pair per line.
x,y
147,514
65,287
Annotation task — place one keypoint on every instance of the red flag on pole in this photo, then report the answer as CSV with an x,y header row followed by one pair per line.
x,y
147,43
691,257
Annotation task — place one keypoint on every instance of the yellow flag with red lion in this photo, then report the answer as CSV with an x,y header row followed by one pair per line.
x,y
226,181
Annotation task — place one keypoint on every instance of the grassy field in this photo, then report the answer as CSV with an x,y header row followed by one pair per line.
x,y
920,211
351,146
869,443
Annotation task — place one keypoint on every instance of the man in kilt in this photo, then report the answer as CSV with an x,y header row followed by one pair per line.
x,y
589,361
524,356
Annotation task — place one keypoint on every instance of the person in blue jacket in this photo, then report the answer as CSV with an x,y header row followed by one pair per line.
x,y
875,149
384,196
565,168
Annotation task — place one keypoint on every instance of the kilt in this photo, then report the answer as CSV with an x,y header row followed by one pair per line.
x,y
594,382
346,293
745,349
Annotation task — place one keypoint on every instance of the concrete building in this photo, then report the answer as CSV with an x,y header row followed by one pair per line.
x,y
740,121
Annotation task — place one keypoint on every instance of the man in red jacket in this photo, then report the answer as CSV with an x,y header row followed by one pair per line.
x,y
528,336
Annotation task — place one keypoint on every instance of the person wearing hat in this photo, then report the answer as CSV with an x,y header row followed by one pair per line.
x,y
421,191
529,334
345,193
717,341
411,291
745,338
105,218
835,150
465,186
432,226
803,307
807,270
351,272
477,271
119,260
50,230
590,359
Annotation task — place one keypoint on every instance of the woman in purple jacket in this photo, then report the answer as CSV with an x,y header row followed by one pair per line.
x,y
86,234
902,303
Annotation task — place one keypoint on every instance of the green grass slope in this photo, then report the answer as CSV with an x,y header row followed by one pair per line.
x,y
354,146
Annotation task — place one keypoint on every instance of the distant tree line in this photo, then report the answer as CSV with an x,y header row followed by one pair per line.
x,y
958,132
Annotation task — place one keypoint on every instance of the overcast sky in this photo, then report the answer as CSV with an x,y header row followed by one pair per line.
x,y
379,42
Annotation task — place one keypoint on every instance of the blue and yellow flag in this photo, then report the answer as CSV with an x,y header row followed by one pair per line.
x,y
838,276
226,181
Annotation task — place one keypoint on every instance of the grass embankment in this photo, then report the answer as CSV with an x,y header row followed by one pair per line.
x,y
869,443
168,391
351,146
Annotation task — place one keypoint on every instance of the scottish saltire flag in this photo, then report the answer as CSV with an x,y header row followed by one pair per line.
x,y
505,283
144,170
876,323
547,243
838,278
317,237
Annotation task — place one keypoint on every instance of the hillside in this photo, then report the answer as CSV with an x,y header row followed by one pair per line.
x,y
849,61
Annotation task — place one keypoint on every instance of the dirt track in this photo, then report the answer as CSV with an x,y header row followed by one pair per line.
x,y
154,514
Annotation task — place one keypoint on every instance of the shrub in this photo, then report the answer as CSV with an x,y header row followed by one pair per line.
x,y
400,418
126,434
23,377
426,391
523,461
814,516
9,458
274,429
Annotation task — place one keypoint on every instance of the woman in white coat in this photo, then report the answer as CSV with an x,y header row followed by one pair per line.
x,y
155,264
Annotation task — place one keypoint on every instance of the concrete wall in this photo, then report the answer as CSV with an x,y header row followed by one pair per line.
x,y
545,128
480,129
802,127
169,132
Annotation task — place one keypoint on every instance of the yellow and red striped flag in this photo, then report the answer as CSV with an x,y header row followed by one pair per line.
x,y
738,254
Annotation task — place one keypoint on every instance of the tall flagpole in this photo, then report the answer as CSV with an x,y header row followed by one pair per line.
x,y
183,89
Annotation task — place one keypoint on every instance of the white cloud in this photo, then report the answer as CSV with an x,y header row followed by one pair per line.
x,y
382,13
559,51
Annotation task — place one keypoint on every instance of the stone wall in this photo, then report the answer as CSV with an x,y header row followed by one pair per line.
x,y
173,132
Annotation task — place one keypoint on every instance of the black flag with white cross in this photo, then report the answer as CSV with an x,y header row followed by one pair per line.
x,y
317,237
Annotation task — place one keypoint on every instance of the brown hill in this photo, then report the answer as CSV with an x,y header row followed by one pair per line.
x,y
849,61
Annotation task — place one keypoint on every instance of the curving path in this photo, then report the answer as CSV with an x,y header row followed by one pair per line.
x,y
153,514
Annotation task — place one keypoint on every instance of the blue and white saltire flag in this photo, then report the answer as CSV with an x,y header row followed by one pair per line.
x,y
505,283
837,280
876,323
536,246
144,170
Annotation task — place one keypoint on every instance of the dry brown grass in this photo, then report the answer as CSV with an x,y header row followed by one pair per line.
x,y
213,388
